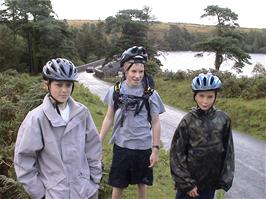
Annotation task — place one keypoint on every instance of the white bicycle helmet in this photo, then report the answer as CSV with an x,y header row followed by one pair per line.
x,y
206,82
136,53
60,69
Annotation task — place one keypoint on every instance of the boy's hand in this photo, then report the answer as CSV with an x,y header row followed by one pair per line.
x,y
193,193
154,158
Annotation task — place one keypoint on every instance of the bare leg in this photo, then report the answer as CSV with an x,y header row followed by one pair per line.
x,y
142,191
117,193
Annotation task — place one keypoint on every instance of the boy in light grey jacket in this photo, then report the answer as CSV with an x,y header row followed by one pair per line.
x,y
58,150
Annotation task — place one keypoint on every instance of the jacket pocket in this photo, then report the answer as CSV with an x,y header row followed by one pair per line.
x,y
82,184
58,191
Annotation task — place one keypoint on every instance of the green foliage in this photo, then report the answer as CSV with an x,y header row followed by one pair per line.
x,y
11,49
225,16
19,94
247,116
129,28
255,41
11,189
179,39
35,36
90,42
152,67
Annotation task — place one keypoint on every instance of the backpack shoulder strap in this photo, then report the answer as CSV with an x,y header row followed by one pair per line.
x,y
116,94
117,87
148,84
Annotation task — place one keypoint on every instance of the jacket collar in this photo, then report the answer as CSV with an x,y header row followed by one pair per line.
x,y
199,111
55,119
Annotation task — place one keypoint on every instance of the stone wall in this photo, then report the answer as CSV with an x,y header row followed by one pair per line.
x,y
93,64
110,69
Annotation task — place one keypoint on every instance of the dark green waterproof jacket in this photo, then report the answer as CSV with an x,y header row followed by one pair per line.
x,y
202,151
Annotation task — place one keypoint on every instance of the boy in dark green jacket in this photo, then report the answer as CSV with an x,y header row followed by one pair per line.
x,y
202,152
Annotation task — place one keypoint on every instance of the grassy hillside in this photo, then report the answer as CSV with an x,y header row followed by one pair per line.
x,y
80,22
163,26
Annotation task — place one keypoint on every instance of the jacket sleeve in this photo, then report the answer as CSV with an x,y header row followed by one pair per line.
x,y
28,144
93,150
178,159
227,173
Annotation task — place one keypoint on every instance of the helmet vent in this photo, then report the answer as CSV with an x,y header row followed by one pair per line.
x,y
70,72
48,71
204,81
62,68
198,81
134,50
212,80
53,67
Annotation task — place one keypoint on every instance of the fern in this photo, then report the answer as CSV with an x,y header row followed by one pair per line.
x,y
11,189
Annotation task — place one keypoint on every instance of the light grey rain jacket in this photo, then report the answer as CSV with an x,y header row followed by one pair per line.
x,y
57,159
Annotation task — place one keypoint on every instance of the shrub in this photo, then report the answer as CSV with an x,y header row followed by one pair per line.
x,y
232,87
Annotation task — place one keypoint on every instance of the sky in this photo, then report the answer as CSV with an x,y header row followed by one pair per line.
x,y
251,13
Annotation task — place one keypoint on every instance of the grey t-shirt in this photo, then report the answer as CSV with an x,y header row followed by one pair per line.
x,y
135,132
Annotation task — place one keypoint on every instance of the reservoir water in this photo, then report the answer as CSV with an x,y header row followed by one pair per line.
x,y
186,60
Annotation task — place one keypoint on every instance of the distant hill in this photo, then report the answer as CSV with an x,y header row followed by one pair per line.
x,y
79,22
163,26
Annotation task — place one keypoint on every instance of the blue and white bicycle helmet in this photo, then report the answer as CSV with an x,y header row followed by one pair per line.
x,y
206,82
136,53
60,69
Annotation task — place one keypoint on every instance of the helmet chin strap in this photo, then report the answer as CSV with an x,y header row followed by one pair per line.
x,y
55,102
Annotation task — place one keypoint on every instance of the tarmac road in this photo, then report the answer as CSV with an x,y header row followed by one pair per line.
x,y
250,154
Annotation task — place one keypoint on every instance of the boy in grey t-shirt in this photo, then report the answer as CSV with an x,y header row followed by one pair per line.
x,y
136,128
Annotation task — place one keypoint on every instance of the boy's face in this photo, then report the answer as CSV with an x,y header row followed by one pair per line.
x,y
205,99
61,90
134,74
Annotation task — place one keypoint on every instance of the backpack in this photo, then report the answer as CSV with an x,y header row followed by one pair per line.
x,y
120,101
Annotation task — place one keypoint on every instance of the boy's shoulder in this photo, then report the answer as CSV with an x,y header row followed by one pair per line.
x,y
188,116
222,113
79,106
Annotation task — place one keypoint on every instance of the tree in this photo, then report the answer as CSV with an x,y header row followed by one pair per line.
x,y
259,69
129,28
10,53
11,17
227,42
178,38
91,42
43,36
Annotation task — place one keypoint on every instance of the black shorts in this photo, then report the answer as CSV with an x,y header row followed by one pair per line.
x,y
130,167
